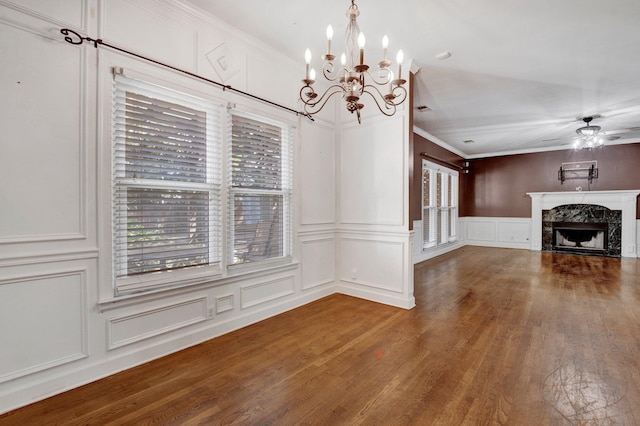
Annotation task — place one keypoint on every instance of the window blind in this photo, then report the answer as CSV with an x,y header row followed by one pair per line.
x,y
260,194
166,183
429,210
440,201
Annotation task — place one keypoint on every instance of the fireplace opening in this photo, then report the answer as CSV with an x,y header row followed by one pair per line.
x,y
580,237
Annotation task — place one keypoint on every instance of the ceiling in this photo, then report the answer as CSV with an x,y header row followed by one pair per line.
x,y
521,74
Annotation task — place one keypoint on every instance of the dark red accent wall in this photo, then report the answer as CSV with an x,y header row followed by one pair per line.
x,y
498,186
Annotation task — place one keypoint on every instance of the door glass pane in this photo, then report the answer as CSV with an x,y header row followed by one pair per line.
x,y
426,187
439,190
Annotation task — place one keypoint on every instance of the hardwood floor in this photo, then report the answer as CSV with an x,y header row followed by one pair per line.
x,y
498,336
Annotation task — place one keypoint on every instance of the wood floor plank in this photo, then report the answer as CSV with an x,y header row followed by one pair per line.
x,y
498,336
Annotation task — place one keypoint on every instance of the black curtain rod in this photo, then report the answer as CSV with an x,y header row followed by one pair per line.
x,y
96,42
431,157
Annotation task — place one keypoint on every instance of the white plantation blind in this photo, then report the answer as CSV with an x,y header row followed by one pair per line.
x,y
429,209
166,181
260,189
439,204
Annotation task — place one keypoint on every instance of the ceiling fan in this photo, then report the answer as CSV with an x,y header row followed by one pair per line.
x,y
590,136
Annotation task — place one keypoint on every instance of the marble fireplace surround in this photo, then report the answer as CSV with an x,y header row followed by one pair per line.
x,y
624,200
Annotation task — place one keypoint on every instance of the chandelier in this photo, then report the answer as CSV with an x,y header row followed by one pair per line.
x,y
352,79
588,136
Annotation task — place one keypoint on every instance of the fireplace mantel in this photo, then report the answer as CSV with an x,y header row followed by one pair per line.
x,y
624,200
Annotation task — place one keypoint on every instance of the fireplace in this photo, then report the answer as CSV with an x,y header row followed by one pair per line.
x,y
615,208
580,238
582,229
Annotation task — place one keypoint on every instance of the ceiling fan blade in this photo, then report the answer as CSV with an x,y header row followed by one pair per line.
x,y
632,134
566,138
621,131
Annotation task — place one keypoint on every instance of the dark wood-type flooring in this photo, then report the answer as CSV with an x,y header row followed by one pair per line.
x,y
498,336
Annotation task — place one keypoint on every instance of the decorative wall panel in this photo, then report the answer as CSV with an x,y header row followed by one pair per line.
x,y
373,263
42,322
317,175
130,25
41,166
224,303
481,230
507,232
372,175
318,262
133,328
67,12
255,294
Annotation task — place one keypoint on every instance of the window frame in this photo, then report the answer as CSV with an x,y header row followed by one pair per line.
x,y
440,215
122,282
286,191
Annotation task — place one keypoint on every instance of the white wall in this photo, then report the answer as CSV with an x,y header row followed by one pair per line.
x,y
60,325
375,245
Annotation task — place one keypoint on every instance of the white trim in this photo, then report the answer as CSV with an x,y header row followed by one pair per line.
x,y
418,131
445,145
437,251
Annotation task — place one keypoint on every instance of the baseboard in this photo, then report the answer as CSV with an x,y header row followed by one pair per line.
x,y
435,252
375,296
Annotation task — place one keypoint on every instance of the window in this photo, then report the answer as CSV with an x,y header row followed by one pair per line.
x,y
439,204
170,192
166,183
260,163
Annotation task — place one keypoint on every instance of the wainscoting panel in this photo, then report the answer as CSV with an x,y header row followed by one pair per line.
x,y
514,231
318,261
481,230
224,303
373,263
637,237
42,322
377,267
262,292
142,325
498,232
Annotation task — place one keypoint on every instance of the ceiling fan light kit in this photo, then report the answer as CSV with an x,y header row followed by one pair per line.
x,y
352,79
588,136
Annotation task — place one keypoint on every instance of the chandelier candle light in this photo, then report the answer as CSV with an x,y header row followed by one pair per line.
x,y
353,78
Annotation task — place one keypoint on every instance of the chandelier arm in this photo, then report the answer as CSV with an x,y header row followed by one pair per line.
x,y
394,98
315,106
330,73
385,76
389,107
402,95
